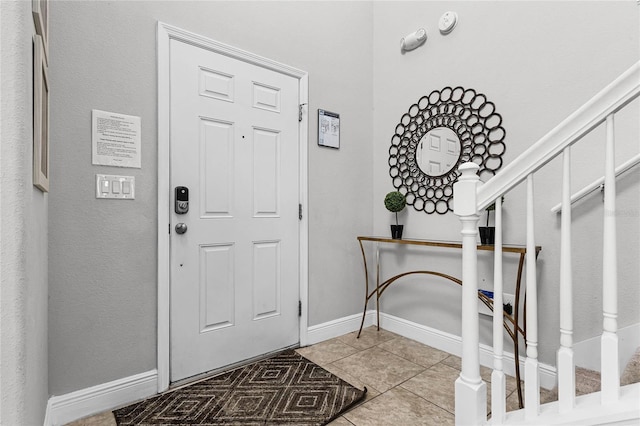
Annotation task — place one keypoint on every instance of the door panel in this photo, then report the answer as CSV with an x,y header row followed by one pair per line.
x,y
217,298
216,163
266,279
266,167
234,273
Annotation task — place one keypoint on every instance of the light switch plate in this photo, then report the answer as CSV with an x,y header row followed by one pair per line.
x,y
115,187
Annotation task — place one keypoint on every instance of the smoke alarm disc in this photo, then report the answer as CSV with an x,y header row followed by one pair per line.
x,y
447,22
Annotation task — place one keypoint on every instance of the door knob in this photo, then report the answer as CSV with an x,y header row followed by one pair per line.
x,y
181,228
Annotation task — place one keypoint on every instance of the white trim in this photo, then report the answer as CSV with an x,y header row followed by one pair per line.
x,y
338,327
175,33
165,34
303,137
164,206
589,410
47,414
97,399
599,183
437,339
587,352
441,340
452,344
609,100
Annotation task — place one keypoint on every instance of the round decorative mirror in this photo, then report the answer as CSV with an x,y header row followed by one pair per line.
x,y
438,133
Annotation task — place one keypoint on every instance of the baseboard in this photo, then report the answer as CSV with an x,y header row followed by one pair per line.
x,y
47,414
452,344
338,327
446,342
587,353
96,399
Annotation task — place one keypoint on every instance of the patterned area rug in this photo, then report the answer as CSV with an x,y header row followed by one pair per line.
x,y
284,389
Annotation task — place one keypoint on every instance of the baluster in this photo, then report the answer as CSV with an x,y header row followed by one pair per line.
x,y
378,286
609,343
531,376
566,366
470,390
498,380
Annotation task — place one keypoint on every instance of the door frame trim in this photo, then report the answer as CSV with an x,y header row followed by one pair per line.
x,y
166,33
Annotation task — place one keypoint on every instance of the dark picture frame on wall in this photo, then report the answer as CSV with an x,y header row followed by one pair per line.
x,y
40,12
40,116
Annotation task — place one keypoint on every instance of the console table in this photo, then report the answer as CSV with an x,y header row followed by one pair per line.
x,y
510,321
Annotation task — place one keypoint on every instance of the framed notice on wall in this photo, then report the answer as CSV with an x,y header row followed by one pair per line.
x,y
328,129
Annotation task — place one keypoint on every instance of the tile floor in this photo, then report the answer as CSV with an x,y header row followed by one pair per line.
x,y
408,383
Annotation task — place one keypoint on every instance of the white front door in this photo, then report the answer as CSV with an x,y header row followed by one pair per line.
x,y
234,272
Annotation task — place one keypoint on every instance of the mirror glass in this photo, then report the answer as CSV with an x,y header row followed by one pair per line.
x,y
438,151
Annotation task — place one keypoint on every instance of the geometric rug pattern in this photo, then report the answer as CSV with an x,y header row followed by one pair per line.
x,y
284,389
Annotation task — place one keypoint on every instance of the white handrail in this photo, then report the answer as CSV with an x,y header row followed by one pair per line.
x,y
598,184
609,100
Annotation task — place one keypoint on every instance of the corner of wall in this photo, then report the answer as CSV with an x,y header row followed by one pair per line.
x,y
23,232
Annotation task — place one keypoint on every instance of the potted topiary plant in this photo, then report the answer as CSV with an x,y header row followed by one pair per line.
x,y
488,233
395,202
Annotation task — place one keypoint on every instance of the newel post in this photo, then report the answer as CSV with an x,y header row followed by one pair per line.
x,y
471,391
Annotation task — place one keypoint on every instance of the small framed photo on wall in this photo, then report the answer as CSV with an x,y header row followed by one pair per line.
x,y
40,11
40,116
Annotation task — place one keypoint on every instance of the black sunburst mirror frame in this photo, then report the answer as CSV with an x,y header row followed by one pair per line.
x,y
480,133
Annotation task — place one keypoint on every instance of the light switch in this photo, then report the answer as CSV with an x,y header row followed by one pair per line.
x,y
115,187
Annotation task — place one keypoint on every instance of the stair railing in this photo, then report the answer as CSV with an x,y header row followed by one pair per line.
x,y
471,197
599,183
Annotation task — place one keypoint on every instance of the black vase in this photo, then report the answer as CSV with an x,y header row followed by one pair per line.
x,y
487,235
396,232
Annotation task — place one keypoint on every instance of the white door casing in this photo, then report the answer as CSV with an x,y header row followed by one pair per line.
x,y
219,212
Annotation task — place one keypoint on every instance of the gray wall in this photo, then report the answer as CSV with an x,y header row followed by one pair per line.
x,y
102,256
537,66
538,62
23,232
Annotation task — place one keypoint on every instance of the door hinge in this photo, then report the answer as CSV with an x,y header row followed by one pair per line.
x,y
300,211
299,308
300,112
169,229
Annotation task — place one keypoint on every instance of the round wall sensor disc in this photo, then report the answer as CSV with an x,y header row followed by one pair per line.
x,y
448,22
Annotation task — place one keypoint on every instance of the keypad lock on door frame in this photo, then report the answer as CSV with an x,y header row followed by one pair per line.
x,y
181,200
